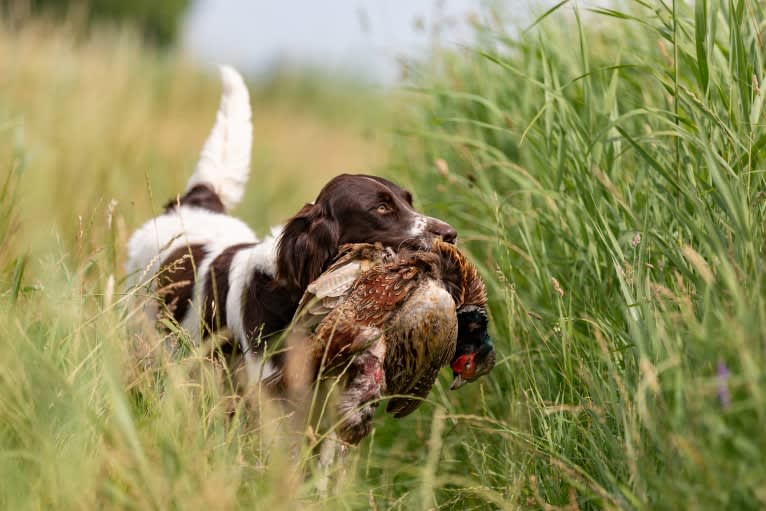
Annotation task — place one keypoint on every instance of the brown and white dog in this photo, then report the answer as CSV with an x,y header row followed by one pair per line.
x,y
212,272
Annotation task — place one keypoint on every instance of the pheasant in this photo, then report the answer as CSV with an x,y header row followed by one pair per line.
x,y
475,355
388,322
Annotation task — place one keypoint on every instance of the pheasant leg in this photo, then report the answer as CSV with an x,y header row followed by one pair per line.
x,y
361,395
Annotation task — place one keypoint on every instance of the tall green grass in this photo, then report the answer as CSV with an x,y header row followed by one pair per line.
x,y
605,170
95,135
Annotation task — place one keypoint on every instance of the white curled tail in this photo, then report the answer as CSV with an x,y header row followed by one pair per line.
x,y
224,163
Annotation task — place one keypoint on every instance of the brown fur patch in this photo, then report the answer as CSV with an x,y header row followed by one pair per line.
x,y
175,282
200,196
217,287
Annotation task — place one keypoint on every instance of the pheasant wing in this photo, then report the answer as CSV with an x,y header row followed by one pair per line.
x,y
403,406
340,315
328,290
361,315
374,298
419,345
324,294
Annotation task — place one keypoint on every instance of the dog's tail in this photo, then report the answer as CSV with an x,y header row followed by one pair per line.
x,y
224,163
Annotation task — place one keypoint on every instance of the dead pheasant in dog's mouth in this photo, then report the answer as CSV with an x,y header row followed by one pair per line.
x,y
395,319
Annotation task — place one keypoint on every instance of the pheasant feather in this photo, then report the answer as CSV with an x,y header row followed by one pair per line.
x,y
399,317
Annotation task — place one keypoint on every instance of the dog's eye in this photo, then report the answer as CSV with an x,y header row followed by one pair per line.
x,y
383,209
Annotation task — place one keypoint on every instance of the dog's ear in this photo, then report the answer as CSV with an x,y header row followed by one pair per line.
x,y
309,240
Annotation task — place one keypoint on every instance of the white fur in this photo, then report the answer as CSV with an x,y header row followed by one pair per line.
x,y
224,162
183,226
418,226
239,274
258,368
193,319
261,257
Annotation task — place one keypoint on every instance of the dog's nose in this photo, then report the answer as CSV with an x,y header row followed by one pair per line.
x,y
444,230
450,234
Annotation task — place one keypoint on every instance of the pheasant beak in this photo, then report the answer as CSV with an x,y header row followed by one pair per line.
x,y
458,382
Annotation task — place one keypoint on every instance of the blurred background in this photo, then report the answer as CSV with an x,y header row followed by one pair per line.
x,y
365,39
110,100
603,162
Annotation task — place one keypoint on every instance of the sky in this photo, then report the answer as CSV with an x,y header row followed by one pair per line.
x,y
360,38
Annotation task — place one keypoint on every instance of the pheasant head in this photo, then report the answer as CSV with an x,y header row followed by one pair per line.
x,y
475,354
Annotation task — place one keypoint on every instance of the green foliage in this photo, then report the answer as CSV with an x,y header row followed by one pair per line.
x,y
158,21
95,134
12,264
606,169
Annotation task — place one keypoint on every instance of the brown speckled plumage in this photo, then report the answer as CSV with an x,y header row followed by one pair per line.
x,y
398,312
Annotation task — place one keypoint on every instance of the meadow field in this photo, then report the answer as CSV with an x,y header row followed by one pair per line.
x,y
605,170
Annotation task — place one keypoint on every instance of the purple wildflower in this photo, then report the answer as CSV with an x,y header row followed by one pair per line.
x,y
723,387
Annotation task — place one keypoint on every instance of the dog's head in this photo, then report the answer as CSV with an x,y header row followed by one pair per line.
x,y
352,208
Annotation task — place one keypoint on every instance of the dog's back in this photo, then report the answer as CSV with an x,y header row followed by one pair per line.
x,y
217,184
195,236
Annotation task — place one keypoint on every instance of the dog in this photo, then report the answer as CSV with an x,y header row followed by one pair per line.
x,y
209,271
